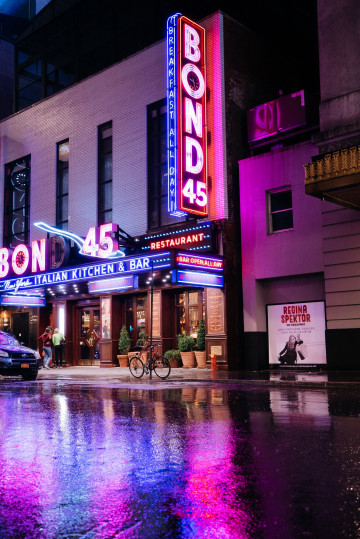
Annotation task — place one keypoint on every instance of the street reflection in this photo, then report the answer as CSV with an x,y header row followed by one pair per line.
x,y
81,460
300,406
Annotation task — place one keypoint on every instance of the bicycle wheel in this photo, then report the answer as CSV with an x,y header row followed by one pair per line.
x,y
136,367
162,367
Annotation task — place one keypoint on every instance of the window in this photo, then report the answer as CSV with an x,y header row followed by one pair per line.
x,y
105,173
135,314
280,212
189,308
29,84
157,167
62,184
17,202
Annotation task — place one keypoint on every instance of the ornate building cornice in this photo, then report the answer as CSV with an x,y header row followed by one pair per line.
x,y
337,164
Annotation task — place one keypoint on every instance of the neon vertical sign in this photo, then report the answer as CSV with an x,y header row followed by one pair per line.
x,y
172,102
187,174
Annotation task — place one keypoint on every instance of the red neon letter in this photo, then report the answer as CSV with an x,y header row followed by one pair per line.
x,y
4,264
192,118
20,259
38,255
190,166
192,40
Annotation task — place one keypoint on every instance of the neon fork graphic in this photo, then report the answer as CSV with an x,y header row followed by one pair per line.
x,y
75,238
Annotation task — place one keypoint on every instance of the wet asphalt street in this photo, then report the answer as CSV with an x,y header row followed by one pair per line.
x,y
105,458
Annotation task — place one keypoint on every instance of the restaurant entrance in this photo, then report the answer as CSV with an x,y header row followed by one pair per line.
x,y
89,334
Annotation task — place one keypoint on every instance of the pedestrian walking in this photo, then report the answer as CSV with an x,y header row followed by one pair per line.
x,y
46,341
58,339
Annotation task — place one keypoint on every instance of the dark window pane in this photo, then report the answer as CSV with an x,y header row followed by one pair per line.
x,y
105,197
153,214
106,145
281,201
282,220
106,168
31,93
157,167
63,209
105,217
105,162
62,183
22,57
164,180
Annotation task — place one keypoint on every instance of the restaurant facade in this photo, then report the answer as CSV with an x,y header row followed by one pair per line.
x,y
121,200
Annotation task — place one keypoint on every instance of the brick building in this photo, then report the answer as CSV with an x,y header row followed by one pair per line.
x,y
94,152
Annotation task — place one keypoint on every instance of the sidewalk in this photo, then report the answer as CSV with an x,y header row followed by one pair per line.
x,y
268,377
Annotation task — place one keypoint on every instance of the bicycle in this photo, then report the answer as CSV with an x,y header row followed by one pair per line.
x,y
159,364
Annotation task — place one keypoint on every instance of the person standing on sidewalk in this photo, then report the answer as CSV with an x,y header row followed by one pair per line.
x,y
57,339
46,340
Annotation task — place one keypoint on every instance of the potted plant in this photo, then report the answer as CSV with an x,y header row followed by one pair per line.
x,y
143,342
200,353
143,339
186,345
174,357
124,346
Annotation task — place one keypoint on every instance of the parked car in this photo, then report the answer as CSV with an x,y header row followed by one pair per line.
x,y
16,359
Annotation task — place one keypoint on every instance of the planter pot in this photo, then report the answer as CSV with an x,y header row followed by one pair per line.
x,y
175,363
123,360
188,360
200,359
145,354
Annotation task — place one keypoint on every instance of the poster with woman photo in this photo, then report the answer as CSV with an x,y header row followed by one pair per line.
x,y
296,333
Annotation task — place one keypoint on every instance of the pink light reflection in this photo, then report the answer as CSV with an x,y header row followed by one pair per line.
x,y
215,119
210,504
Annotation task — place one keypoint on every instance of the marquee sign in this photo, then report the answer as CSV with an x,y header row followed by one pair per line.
x,y
187,171
48,254
197,278
197,237
22,301
204,262
110,285
275,117
135,265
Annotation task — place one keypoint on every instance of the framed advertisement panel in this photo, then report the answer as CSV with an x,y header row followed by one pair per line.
x,y
296,333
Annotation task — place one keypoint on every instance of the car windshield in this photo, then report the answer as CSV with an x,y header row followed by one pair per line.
x,y
7,339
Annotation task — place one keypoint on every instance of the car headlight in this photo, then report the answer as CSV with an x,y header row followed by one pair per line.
x,y
37,355
3,353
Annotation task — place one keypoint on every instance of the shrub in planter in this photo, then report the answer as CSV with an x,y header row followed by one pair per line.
x,y
186,344
143,339
174,357
200,353
124,347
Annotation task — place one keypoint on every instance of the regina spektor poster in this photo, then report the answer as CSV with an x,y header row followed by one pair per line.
x,y
296,333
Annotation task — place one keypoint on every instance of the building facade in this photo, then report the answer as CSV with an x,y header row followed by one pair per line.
x,y
300,243
95,153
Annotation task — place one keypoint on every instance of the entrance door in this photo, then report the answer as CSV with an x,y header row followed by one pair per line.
x,y
89,336
20,327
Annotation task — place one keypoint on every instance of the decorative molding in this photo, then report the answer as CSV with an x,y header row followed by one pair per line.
x,y
334,165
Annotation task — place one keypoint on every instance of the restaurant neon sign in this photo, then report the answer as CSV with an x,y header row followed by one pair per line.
x,y
100,242
186,92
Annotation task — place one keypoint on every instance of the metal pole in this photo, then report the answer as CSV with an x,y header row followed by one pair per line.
x,y
151,308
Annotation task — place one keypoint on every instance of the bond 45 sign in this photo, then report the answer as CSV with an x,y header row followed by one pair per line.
x,y
187,173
